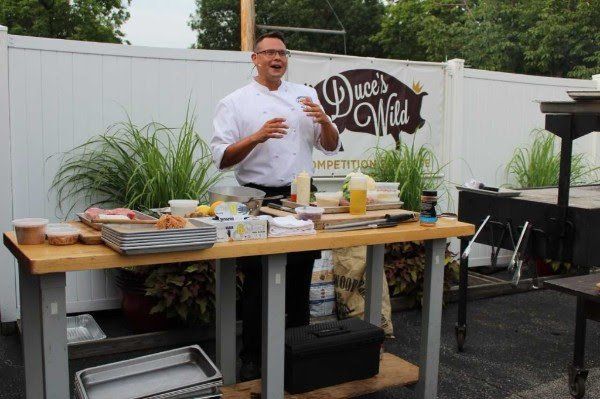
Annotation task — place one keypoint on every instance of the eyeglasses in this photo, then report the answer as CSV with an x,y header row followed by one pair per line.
x,y
272,53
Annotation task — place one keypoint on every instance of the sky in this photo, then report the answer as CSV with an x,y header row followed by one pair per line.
x,y
160,23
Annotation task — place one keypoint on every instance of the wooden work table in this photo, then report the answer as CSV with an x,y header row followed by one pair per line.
x,y
42,284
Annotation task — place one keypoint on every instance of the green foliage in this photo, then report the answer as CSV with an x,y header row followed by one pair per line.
x,y
184,290
217,24
539,165
546,37
404,269
139,168
415,168
93,20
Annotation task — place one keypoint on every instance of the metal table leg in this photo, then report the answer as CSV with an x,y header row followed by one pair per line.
x,y
431,319
461,325
374,284
577,373
273,326
225,319
44,337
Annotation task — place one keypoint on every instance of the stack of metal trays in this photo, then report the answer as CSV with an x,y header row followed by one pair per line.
x,y
135,239
175,374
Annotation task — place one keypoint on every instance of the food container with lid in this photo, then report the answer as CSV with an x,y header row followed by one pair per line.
x,y
388,196
309,212
30,230
182,207
61,234
328,198
385,186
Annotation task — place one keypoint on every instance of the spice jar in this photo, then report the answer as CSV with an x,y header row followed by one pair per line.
x,y
428,215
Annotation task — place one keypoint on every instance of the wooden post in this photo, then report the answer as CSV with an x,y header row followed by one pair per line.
x,y
247,16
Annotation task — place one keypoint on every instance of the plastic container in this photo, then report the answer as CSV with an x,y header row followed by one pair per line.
x,y
61,234
358,194
372,196
309,212
303,188
182,207
388,196
385,186
328,198
30,230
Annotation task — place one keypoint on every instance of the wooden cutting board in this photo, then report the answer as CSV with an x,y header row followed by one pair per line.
x,y
346,209
336,218
87,235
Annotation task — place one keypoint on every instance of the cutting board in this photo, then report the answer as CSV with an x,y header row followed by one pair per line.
x,y
346,209
336,218
87,234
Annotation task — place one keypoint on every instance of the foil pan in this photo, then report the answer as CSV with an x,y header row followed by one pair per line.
x,y
83,328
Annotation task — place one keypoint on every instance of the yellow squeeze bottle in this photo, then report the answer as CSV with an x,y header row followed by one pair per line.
x,y
358,194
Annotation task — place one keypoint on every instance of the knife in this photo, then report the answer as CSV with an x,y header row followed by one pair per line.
x,y
387,221
281,207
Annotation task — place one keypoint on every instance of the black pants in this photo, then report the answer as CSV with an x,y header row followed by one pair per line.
x,y
298,274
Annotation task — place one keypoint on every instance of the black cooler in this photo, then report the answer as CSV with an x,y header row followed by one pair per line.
x,y
332,353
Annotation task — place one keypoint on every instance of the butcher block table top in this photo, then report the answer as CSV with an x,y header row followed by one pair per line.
x,y
580,286
45,258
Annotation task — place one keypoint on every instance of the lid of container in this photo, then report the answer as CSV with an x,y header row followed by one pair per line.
x,y
60,229
333,336
30,222
430,193
183,202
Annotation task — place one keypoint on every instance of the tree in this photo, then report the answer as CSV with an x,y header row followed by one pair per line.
x,y
545,37
93,20
217,24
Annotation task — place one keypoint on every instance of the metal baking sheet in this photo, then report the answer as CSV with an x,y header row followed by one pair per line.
x,y
98,226
157,240
156,248
504,192
160,244
83,328
148,376
584,95
140,230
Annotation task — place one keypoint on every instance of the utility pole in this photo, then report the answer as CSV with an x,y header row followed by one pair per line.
x,y
248,16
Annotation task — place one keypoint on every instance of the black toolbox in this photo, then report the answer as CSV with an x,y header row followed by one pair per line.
x,y
332,353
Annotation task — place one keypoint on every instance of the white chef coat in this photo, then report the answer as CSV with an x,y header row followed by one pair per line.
x,y
275,162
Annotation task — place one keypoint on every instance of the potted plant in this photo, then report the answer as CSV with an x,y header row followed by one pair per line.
x,y
415,168
539,166
142,168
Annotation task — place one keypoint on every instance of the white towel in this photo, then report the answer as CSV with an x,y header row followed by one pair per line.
x,y
290,226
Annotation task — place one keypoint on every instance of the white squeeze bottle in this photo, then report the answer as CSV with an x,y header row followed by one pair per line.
x,y
303,188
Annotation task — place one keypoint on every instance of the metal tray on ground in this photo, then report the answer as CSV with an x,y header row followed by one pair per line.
x,y
83,328
205,391
98,226
164,373
155,249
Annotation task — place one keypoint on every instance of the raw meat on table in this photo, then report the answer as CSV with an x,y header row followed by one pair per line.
x,y
94,213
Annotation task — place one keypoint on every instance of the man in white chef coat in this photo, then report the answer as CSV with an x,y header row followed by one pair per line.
x,y
266,131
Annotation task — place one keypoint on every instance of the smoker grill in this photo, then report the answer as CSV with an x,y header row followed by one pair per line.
x,y
563,222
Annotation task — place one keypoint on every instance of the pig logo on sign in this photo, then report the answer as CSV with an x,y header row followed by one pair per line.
x,y
372,101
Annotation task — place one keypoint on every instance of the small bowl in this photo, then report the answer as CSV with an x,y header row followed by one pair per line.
x,y
309,212
182,207
30,231
61,234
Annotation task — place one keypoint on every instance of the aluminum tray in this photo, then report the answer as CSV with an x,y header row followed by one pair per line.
x,y
150,240
145,230
83,328
207,391
98,226
175,372
155,249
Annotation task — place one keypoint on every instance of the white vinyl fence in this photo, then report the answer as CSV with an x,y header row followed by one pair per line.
x,y
55,94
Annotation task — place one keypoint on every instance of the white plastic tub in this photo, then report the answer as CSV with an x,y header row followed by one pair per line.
x,y
182,207
328,198
385,186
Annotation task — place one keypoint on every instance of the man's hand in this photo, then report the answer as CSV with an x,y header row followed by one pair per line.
x,y
315,111
272,129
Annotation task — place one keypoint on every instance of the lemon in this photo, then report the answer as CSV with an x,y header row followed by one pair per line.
x,y
204,210
213,206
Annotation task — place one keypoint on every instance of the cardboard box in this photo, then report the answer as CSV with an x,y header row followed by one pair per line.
x,y
251,228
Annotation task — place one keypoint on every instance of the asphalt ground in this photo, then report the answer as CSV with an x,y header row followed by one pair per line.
x,y
517,347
